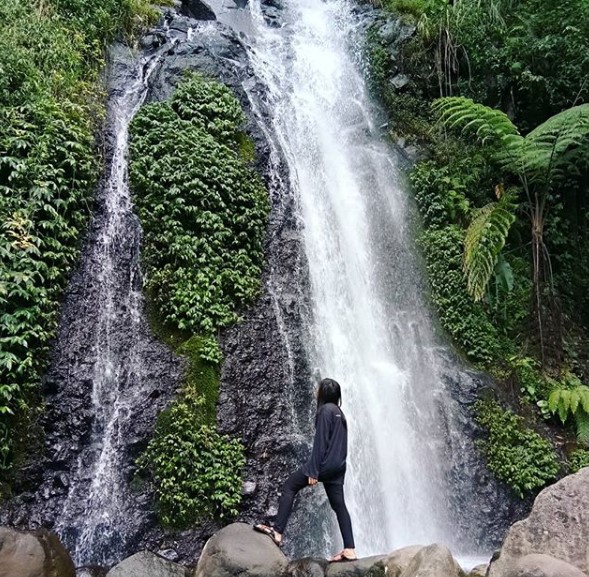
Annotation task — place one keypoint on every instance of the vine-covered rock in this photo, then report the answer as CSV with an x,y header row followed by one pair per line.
x,y
203,211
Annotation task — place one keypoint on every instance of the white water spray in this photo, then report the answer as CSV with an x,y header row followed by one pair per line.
x,y
370,329
98,533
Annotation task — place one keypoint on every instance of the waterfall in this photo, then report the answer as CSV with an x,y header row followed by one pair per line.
x,y
369,325
95,517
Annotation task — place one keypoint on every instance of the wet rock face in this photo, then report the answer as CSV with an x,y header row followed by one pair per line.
x,y
484,498
105,344
264,355
197,9
266,386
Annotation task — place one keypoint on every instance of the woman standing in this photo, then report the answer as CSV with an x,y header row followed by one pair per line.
x,y
327,465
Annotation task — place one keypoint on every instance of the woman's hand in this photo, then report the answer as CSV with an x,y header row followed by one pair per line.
x,y
312,481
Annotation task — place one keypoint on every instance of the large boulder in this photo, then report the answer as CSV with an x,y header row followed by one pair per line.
x,y
365,567
238,550
38,554
399,560
538,565
558,526
146,564
433,561
306,567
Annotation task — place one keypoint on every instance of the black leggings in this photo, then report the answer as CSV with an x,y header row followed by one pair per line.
x,y
335,493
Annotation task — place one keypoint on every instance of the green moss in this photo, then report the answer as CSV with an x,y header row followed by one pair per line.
x,y
247,148
201,376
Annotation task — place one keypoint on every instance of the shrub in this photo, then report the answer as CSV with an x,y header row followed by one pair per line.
x,y
203,211
202,208
578,460
196,471
464,319
515,454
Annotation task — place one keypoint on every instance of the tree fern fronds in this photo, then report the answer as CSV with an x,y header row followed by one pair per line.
x,y
575,400
584,398
548,144
569,401
484,240
559,402
484,122
582,426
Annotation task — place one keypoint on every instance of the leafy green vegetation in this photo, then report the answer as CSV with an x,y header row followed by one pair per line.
x,y
196,471
51,105
500,118
203,211
578,460
516,454
541,160
570,399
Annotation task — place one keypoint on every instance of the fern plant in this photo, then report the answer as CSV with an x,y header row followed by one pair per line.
x,y
540,160
483,242
572,402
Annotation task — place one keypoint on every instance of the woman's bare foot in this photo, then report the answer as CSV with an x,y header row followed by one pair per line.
x,y
271,532
345,555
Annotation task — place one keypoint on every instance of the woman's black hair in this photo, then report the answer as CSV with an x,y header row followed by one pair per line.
x,y
329,392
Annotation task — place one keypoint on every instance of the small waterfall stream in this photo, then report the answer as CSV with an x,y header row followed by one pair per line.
x,y
118,355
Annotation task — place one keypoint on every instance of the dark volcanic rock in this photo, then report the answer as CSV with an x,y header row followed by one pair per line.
x,y
484,497
197,9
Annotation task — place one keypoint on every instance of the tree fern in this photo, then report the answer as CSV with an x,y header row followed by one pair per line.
x,y
543,155
572,402
477,119
582,425
539,157
484,240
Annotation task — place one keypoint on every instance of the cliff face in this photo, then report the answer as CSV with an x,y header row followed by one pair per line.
x,y
264,360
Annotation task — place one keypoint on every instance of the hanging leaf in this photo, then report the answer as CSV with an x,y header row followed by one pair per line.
x,y
484,240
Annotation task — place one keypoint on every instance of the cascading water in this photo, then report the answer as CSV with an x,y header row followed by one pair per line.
x,y
99,531
369,327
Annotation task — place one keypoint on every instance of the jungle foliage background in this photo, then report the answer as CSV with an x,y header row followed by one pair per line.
x,y
496,104
493,94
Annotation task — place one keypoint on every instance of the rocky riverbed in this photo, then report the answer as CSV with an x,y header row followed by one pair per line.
x,y
552,542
